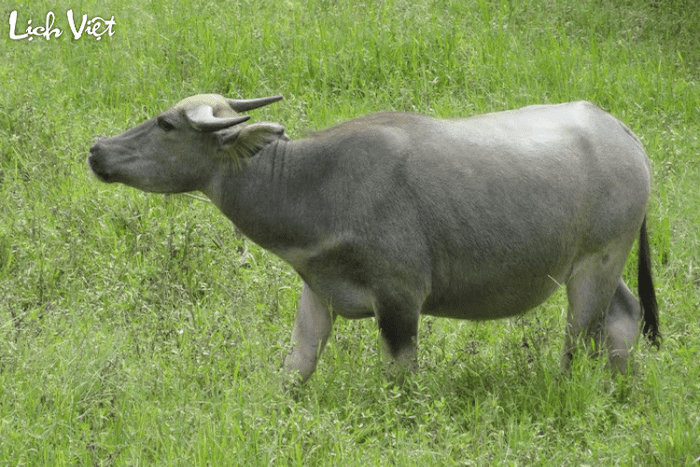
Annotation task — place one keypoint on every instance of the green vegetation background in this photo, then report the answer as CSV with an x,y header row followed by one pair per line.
x,y
136,330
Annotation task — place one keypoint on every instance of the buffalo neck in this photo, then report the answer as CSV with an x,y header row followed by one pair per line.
x,y
274,197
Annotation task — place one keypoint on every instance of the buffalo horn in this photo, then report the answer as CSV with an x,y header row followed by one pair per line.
x,y
202,117
244,105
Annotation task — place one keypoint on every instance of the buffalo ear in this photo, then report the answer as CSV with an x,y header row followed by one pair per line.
x,y
248,140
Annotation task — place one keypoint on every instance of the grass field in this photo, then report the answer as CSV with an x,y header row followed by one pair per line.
x,y
134,333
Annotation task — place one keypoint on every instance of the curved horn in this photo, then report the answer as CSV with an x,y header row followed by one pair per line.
x,y
203,119
244,105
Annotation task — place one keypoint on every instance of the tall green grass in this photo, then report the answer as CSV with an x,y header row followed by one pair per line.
x,y
135,331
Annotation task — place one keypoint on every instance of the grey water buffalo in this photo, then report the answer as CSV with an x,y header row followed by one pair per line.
x,y
395,215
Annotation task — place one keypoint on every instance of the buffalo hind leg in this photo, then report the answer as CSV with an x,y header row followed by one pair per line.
x,y
590,292
621,326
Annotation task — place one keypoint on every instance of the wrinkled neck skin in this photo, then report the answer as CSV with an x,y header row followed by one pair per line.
x,y
257,196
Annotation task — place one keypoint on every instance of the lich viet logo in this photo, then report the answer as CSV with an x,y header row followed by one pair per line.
x,y
95,27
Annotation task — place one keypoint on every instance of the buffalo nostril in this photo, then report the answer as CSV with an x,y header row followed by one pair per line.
x,y
96,145
96,162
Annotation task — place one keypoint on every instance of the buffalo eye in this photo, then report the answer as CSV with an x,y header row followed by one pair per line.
x,y
165,125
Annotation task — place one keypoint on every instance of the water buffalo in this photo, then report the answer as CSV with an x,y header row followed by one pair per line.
x,y
394,215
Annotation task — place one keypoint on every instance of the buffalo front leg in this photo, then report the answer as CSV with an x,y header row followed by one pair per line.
x,y
398,328
310,334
